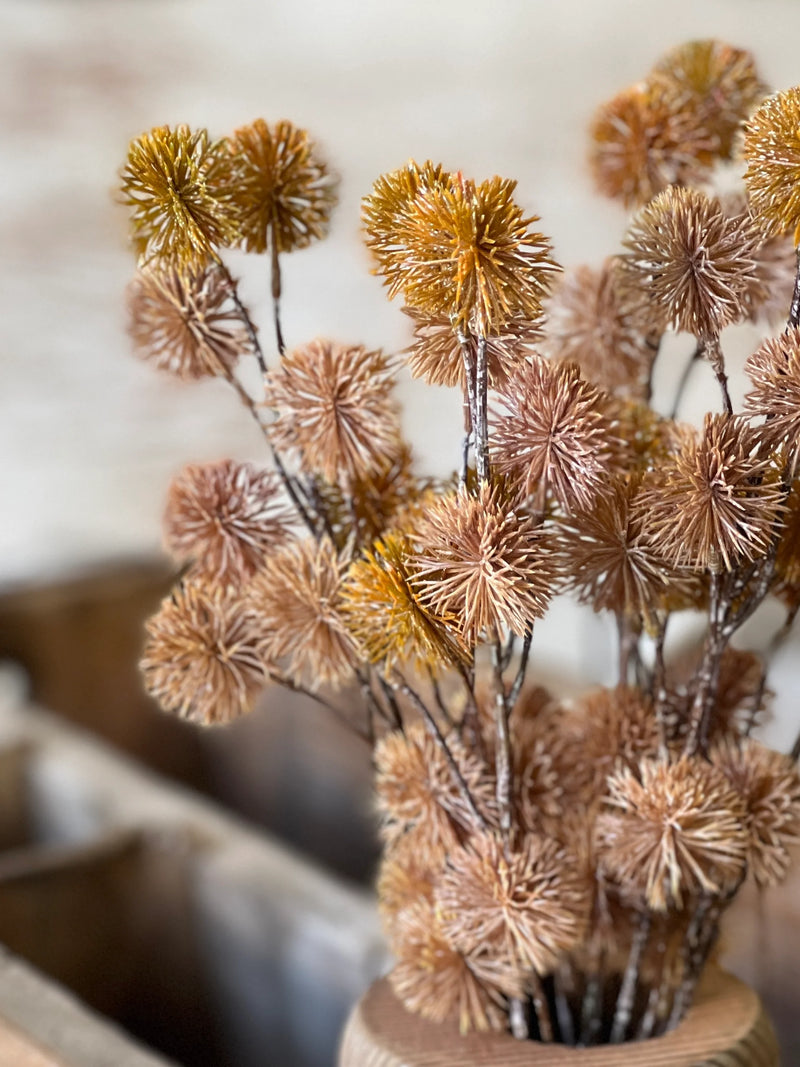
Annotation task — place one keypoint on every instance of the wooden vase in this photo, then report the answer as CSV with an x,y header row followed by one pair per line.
x,y
726,1027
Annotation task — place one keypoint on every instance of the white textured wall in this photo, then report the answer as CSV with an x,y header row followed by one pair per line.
x,y
89,437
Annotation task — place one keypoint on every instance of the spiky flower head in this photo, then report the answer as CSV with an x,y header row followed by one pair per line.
x,y
715,81
589,324
774,370
480,562
688,265
385,616
672,830
183,320
281,190
787,562
437,354
717,501
383,211
204,655
641,144
297,593
772,151
525,906
405,876
552,430
769,784
335,409
434,980
461,249
173,181
225,517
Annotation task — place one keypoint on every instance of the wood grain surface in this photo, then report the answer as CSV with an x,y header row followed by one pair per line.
x,y
727,1027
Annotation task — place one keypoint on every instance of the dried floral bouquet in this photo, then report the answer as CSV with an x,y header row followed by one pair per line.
x,y
554,868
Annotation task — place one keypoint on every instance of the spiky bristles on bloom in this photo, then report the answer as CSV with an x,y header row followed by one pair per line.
x,y
479,562
772,151
406,875
522,907
689,266
419,795
385,616
641,144
173,181
588,324
297,593
204,655
769,784
457,248
281,189
672,830
716,82
717,501
437,354
225,517
182,319
774,370
335,409
787,562
552,431
434,980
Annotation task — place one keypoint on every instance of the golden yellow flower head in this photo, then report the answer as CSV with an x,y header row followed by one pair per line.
x,y
772,150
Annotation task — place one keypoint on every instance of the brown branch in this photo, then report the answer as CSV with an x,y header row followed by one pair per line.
x,y
276,291
627,993
296,687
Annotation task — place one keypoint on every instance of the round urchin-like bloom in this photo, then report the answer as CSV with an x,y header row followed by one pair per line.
x,y
406,876
769,784
478,561
226,517
418,794
435,980
437,354
173,181
552,428
465,251
335,409
589,324
774,370
772,150
787,562
717,501
525,906
204,657
297,592
281,189
183,320
384,210
641,144
715,81
672,830
689,266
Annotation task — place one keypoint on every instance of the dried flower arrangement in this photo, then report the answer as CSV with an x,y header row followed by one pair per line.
x,y
555,868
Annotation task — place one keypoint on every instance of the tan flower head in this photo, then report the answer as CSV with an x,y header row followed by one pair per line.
x,y
693,267
716,502
418,794
772,150
204,655
716,82
787,563
463,250
335,409
297,593
589,324
552,428
385,616
435,981
281,190
672,830
774,370
436,354
641,144
769,784
183,320
405,877
173,183
479,562
527,906
225,517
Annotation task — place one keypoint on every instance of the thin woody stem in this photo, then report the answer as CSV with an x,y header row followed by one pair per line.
x,y
276,291
504,777
794,310
289,683
691,363
707,676
627,993
658,687
541,1008
244,314
714,352
519,680
482,413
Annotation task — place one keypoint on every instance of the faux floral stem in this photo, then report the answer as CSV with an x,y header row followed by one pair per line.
x,y
627,993
541,1008
714,352
592,1006
504,779
482,413
794,309
244,315
522,669
296,687
276,291
691,363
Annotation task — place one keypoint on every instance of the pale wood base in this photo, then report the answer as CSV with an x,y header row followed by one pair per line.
x,y
726,1027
